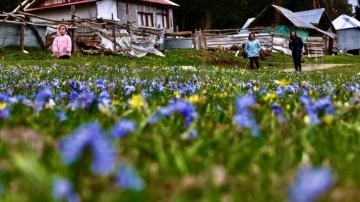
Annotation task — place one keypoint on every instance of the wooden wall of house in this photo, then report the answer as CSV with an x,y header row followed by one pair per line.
x,y
87,11
10,35
132,15
348,39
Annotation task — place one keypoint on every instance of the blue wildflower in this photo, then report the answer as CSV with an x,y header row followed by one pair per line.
x,y
61,115
310,184
122,128
244,118
128,178
64,190
244,102
183,107
4,106
42,97
91,136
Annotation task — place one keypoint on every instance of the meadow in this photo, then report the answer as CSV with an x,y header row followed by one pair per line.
x,y
191,126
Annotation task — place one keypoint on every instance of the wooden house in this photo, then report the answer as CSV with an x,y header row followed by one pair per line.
x,y
151,13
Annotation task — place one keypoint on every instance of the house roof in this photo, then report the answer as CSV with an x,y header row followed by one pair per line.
x,y
289,17
165,2
247,23
42,4
295,19
345,22
311,16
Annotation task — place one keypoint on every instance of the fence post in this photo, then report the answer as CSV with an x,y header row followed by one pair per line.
x,y
22,36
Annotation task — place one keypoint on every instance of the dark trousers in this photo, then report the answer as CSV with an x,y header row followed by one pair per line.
x,y
64,57
297,61
252,60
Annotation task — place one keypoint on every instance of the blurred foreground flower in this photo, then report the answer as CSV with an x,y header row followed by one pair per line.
x,y
137,101
128,178
4,106
64,190
90,135
122,128
244,118
310,184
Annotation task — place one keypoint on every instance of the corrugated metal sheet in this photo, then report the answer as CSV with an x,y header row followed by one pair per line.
x,y
10,35
247,23
55,5
295,19
311,16
345,22
349,39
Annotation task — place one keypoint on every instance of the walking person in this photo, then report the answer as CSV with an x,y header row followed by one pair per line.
x,y
252,49
296,46
61,46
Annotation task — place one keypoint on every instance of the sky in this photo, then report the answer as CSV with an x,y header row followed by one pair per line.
x,y
353,2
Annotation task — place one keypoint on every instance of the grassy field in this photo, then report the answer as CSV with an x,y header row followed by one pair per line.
x,y
190,126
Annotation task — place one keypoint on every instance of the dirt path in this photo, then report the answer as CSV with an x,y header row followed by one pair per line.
x,y
316,67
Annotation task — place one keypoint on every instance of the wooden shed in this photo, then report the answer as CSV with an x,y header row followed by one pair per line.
x,y
348,32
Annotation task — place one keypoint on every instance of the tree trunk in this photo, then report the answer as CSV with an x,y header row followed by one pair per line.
x,y
208,19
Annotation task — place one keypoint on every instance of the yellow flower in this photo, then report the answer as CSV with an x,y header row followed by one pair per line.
x,y
137,101
194,98
3,105
287,107
281,82
256,88
115,102
269,96
306,119
329,119
176,94
224,94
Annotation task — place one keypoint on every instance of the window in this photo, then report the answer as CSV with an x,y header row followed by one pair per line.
x,y
162,18
145,19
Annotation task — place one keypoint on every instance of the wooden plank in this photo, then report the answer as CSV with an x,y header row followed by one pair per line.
x,y
22,37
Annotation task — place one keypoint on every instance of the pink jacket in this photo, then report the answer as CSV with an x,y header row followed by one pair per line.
x,y
61,45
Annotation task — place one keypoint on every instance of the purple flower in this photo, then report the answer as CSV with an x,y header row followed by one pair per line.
x,y
61,116
313,110
192,135
128,178
4,108
81,100
186,109
310,184
277,109
64,190
244,118
91,136
122,128
244,102
42,97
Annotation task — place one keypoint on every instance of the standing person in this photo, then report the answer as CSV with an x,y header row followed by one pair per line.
x,y
252,49
61,46
296,45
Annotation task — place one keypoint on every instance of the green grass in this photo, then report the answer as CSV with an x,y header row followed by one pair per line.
x,y
225,162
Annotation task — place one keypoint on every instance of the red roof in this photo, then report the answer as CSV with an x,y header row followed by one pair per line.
x,y
42,6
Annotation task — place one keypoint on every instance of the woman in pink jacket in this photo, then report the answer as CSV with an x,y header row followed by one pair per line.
x,y
61,46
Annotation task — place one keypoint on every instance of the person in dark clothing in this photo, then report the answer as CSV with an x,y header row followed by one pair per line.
x,y
296,45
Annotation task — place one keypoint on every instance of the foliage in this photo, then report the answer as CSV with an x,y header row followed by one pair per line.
x,y
145,129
